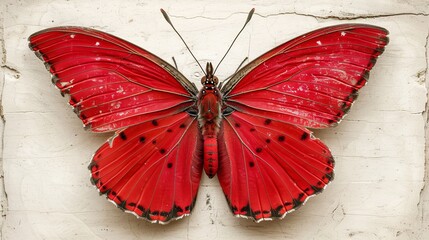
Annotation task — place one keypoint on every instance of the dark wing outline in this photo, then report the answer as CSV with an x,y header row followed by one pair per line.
x,y
299,52
80,54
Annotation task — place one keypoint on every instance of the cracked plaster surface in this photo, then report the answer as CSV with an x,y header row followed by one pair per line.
x,y
380,147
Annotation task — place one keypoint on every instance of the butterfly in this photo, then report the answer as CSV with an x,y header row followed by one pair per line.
x,y
252,132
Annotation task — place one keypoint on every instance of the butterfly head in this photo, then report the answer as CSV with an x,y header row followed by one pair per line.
x,y
209,79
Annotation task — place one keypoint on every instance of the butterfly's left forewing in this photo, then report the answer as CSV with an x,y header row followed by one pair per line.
x,y
112,83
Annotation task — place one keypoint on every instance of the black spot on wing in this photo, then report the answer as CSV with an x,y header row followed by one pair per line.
x,y
304,136
276,212
122,205
297,203
246,210
316,189
123,136
141,208
93,166
361,81
176,210
165,214
330,161
155,123
94,181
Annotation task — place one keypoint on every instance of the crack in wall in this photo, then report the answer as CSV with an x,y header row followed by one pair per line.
x,y
209,18
424,75
3,194
8,70
351,16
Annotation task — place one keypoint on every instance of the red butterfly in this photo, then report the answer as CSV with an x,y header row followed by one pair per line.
x,y
251,132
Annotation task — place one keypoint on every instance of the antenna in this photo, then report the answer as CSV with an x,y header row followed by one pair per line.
x,y
249,16
169,22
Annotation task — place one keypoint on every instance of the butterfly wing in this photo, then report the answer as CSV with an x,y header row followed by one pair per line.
x,y
311,80
269,162
152,169
152,166
112,83
267,168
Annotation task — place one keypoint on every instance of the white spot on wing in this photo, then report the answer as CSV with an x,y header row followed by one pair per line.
x,y
72,35
343,34
97,44
319,43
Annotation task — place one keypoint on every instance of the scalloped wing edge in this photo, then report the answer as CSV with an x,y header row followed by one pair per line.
x,y
332,176
119,206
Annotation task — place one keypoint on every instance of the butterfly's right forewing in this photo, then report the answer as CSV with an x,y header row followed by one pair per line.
x,y
311,80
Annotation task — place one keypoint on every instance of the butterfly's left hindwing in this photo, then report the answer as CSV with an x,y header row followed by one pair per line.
x,y
152,170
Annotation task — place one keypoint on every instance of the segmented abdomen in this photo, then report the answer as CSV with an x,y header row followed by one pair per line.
x,y
210,156
209,118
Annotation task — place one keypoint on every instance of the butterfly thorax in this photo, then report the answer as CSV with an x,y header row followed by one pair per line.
x,y
209,118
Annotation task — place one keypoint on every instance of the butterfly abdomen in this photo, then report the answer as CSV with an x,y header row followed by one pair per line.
x,y
210,156
209,106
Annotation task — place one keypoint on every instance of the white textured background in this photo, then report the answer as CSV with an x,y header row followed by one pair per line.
x,y
380,190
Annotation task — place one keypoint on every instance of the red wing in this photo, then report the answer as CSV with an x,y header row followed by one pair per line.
x,y
268,168
112,83
311,80
152,169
